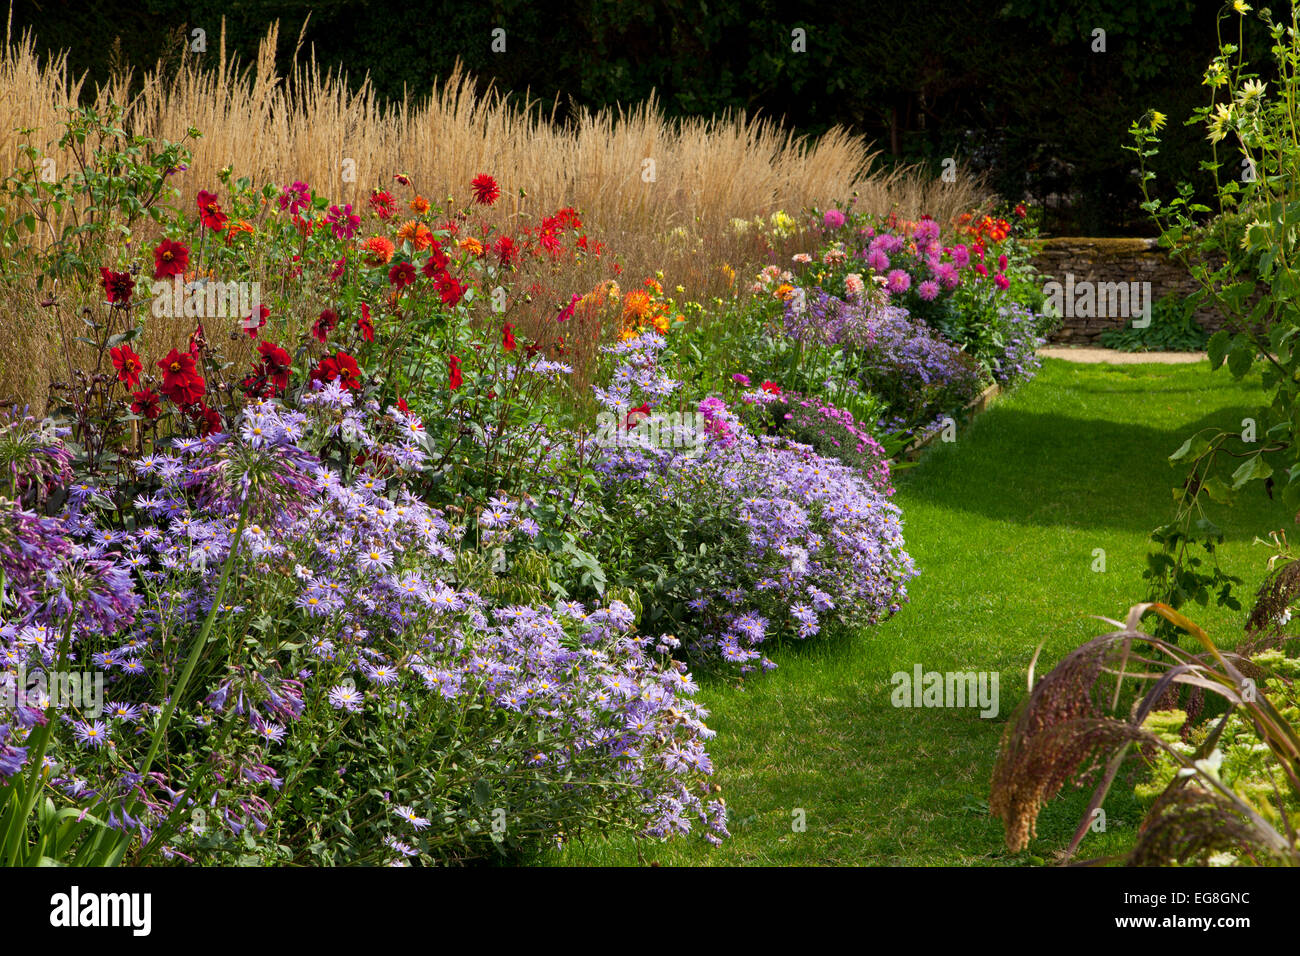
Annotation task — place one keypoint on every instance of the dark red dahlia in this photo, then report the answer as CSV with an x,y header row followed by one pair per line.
x,y
275,367
170,258
251,325
449,289
118,286
401,275
324,325
145,402
341,366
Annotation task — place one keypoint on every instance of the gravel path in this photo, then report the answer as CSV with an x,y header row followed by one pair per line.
x,y
1092,356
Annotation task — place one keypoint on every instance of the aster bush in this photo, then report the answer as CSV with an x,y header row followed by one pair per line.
x,y
999,333
831,432
738,538
917,372
333,689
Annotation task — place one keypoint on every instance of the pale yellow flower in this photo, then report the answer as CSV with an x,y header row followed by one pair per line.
x,y
1219,121
1251,92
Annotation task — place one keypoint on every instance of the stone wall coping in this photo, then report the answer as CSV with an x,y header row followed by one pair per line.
x,y
1097,245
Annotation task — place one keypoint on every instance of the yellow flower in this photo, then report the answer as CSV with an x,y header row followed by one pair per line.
x,y
1251,92
1241,6
1157,120
783,290
783,225
1219,121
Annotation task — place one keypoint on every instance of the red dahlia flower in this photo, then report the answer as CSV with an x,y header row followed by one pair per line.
x,y
567,312
449,289
145,402
276,365
182,382
438,261
210,211
170,259
341,366
128,366
486,190
506,250
118,286
455,379
401,275
508,337
324,325
251,325
382,202
365,325
771,387
208,419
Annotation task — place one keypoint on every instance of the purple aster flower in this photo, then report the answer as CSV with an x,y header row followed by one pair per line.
x,y
91,733
346,697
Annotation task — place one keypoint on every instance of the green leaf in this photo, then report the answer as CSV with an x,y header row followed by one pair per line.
x,y
1240,359
1217,347
1218,490
1193,448
1252,469
127,336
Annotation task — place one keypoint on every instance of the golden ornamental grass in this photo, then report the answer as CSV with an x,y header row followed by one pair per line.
x,y
308,124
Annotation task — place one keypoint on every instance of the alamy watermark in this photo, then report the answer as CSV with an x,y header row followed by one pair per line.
x,y
209,299
923,688
79,690
75,909
1086,299
682,431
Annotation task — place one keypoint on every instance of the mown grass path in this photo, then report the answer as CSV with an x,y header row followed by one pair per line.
x,y
1004,524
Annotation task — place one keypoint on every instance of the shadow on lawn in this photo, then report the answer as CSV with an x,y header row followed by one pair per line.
x,y
1054,469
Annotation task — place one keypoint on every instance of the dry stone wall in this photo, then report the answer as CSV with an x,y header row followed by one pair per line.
x,y
1101,266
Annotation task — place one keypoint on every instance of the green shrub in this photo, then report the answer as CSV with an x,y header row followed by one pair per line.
x,y
1173,328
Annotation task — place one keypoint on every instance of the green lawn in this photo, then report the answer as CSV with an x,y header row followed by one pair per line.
x,y
1003,524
